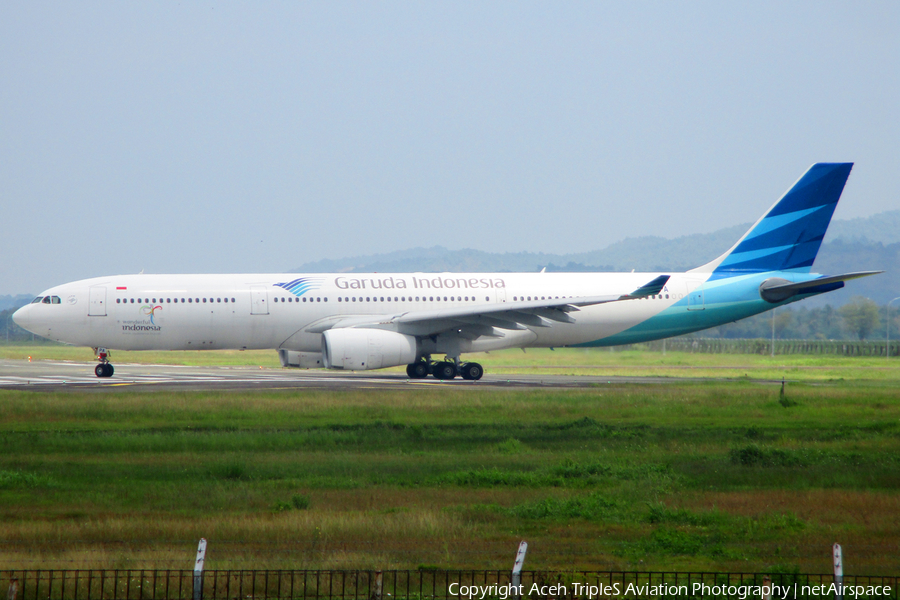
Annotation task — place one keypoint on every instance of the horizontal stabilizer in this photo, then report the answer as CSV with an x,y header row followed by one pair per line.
x,y
776,289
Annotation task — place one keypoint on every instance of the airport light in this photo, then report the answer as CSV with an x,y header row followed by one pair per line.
x,y
887,335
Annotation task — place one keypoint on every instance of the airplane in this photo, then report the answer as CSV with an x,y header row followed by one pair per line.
x,y
355,321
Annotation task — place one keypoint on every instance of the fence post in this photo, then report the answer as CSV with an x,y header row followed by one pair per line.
x,y
198,569
838,571
377,589
517,568
13,589
767,588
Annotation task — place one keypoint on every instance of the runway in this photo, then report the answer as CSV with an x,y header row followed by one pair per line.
x,y
49,375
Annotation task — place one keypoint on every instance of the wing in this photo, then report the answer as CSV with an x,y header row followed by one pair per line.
x,y
485,320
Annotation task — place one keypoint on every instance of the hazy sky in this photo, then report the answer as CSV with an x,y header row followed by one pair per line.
x,y
254,137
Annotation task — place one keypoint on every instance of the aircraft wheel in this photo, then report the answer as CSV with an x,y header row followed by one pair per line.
x,y
471,371
109,370
417,370
444,370
100,370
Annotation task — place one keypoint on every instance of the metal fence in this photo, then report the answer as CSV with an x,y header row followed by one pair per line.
x,y
764,346
428,584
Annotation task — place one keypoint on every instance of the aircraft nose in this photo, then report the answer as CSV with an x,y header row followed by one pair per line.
x,y
24,318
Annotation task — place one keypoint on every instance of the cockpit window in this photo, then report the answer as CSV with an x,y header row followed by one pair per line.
x,y
55,300
37,300
46,300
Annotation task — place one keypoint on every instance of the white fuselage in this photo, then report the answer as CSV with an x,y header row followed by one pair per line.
x,y
201,312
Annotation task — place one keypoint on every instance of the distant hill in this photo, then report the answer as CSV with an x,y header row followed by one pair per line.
x,y
7,302
864,244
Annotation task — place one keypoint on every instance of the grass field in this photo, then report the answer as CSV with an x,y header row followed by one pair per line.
x,y
724,475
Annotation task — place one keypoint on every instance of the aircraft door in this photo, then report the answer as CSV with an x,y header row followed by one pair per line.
x,y
259,301
97,301
695,295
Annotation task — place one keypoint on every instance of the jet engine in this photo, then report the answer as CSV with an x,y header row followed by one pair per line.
x,y
364,349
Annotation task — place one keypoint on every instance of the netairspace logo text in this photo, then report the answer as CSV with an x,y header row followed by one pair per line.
x,y
738,592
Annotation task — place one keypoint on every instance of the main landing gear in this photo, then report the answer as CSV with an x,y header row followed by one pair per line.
x,y
105,368
446,369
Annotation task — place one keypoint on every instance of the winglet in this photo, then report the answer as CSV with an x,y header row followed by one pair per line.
x,y
648,289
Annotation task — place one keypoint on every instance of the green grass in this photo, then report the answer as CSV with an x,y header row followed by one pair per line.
x,y
711,475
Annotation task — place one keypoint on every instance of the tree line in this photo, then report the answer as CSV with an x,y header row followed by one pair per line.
x,y
859,319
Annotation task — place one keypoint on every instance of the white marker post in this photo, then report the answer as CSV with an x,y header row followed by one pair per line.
x,y
517,566
838,571
198,569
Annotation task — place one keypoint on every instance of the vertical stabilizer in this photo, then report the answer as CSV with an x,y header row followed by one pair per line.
x,y
787,238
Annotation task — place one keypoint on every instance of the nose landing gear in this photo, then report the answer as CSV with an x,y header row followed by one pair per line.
x,y
104,369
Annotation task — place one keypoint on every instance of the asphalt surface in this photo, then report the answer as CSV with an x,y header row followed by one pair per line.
x,y
49,375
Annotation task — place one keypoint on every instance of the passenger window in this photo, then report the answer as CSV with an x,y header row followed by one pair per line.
x,y
232,300
132,300
190,299
118,300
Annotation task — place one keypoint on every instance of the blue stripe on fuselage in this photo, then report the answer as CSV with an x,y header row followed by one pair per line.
x,y
725,300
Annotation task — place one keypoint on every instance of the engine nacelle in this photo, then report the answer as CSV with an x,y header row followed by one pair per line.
x,y
364,349
303,360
